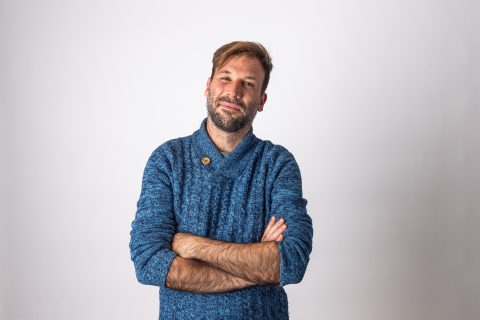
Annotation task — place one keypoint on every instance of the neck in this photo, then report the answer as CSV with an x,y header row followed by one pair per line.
x,y
226,141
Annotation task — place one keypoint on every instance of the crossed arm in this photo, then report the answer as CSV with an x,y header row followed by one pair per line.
x,y
207,266
163,258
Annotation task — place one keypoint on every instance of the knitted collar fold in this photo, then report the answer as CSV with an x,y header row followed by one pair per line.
x,y
230,166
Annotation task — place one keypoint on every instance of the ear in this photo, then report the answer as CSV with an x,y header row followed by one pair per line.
x,y
263,99
207,88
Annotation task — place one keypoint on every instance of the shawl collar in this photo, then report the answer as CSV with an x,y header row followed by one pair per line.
x,y
231,165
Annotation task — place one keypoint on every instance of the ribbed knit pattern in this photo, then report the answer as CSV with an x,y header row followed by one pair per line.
x,y
230,199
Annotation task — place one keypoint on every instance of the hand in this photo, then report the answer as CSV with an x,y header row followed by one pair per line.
x,y
274,230
183,244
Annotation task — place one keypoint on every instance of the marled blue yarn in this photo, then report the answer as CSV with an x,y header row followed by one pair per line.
x,y
231,199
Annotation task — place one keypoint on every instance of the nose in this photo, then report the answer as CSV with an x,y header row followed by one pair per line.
x,y
235,89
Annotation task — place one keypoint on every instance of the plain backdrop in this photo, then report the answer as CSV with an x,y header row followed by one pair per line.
x,y
378,100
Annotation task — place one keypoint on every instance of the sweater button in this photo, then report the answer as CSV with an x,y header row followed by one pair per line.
x,y
206,160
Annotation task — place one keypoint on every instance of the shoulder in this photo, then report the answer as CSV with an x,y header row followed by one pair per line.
x,y
168,153
276,161
282,170
275,154
171,148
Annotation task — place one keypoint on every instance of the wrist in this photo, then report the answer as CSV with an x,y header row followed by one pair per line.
x,y
204,249
193,246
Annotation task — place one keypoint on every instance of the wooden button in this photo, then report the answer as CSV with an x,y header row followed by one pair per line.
x,y
206,160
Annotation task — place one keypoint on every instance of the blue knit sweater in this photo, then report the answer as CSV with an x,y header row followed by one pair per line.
x,y
230,199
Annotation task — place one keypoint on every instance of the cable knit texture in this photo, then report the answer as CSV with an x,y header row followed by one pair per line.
x,y
230,199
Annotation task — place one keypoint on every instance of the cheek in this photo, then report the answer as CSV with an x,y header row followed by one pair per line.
x,y
214,92
210,93
255,101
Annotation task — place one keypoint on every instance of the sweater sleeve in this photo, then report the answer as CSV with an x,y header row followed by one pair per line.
x,y
154,225
288,203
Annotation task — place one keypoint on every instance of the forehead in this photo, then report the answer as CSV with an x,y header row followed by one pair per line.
x,y
243,65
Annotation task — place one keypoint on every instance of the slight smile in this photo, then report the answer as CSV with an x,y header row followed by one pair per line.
x,y
229,106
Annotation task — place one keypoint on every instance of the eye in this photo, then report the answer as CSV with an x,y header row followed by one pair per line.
x,y
225,78
249,84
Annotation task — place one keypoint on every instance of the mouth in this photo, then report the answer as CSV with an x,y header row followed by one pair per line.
x,y
229,106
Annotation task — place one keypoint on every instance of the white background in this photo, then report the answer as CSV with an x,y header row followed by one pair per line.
x,y
378,100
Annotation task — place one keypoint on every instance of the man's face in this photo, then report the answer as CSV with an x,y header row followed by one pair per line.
x,y
234,94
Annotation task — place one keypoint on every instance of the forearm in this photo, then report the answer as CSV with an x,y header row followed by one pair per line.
x,y
255,262
197,276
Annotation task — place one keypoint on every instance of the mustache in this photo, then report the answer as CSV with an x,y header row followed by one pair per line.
x,y
233,101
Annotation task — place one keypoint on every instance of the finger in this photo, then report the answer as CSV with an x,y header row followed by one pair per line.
x,y
279,238
269,226
274,234
275,227
278,232
274,230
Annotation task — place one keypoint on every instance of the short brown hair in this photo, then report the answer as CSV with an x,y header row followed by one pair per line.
x,y
238,48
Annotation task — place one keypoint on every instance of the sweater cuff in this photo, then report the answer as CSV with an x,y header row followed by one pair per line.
x,y
282,264
165,266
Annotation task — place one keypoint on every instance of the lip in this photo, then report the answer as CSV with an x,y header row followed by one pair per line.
x,y
229,106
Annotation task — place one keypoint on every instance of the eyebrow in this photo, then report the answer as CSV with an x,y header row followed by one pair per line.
x,y
247,77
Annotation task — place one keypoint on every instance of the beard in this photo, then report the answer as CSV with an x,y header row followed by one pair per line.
x,y
223,119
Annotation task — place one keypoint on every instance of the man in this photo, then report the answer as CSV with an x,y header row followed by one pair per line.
x,y
221,225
